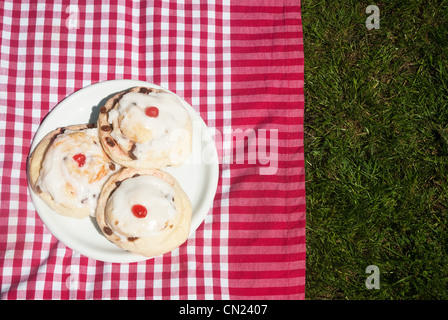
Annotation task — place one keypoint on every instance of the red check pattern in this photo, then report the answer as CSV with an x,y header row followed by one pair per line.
x,y
240,64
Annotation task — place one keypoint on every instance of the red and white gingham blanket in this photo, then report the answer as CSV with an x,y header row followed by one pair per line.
x,y
240,65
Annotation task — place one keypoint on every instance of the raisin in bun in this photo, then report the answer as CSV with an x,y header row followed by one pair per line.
x,y
144,211
68,168
145,128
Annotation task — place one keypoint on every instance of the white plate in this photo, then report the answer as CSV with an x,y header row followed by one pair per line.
x,y
198,176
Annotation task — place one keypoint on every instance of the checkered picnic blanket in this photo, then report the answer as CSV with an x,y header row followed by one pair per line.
x,y
240,65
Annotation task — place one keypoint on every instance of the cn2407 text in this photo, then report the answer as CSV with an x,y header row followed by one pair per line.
x,y
251,309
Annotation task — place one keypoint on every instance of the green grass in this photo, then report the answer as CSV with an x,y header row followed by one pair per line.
x,y
376,149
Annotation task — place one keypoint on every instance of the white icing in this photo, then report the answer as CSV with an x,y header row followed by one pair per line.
x,y
61,176
113,115
152,135
151,192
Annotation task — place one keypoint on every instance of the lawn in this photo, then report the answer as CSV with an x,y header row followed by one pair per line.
x,y
376,149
